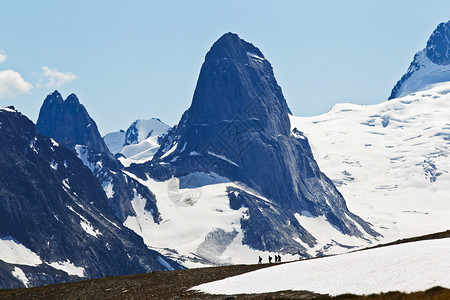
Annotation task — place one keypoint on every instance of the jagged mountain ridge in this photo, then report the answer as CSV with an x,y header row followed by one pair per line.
x,y
429,66
55,221
120,189
68,122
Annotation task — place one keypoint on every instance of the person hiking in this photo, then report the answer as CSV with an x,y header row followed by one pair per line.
x,y
279,258
270,259
260,260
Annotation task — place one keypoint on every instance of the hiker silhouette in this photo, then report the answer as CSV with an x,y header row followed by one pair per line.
x,y
270,259
260,260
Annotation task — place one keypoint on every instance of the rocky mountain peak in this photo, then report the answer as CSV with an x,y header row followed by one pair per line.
x,y
73,99
429,66
231,46
54,97
238,127
237,81
68,122
438,45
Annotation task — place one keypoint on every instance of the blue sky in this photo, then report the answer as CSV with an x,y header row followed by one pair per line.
x,y
140,59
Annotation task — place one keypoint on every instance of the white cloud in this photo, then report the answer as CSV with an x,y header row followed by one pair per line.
x,y
3,56
12,84
52,78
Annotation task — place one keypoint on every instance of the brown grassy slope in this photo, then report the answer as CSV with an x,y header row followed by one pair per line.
x,y
175,285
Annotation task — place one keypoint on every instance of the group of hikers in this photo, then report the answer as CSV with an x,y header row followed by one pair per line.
x,y
277,259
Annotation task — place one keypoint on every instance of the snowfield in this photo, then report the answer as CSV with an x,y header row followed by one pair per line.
x,y
198,227
390,161
407,267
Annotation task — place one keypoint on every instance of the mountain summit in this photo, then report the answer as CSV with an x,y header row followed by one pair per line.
x,y
235,78
438,45
238,127
68,122
429,66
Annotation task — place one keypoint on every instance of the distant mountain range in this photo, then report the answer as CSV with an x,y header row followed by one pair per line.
x,y
236,178
139,142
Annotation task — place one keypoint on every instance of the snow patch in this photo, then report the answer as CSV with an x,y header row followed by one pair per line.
x,y
171,150
54,143
13,252
85,224
89,228
68,267
54,165
252,55
223,158
19,274
108,187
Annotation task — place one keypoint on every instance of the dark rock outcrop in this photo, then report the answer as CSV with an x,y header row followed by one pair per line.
x,y
438,45
52,204
68,122
238,127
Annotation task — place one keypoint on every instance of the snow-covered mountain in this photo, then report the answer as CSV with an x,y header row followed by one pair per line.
x,y
429,66
390,161
56,224
139,142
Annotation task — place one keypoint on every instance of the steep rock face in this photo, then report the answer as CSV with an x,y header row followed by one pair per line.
x,y
438,45
429,66
238,127
68,122
55,216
